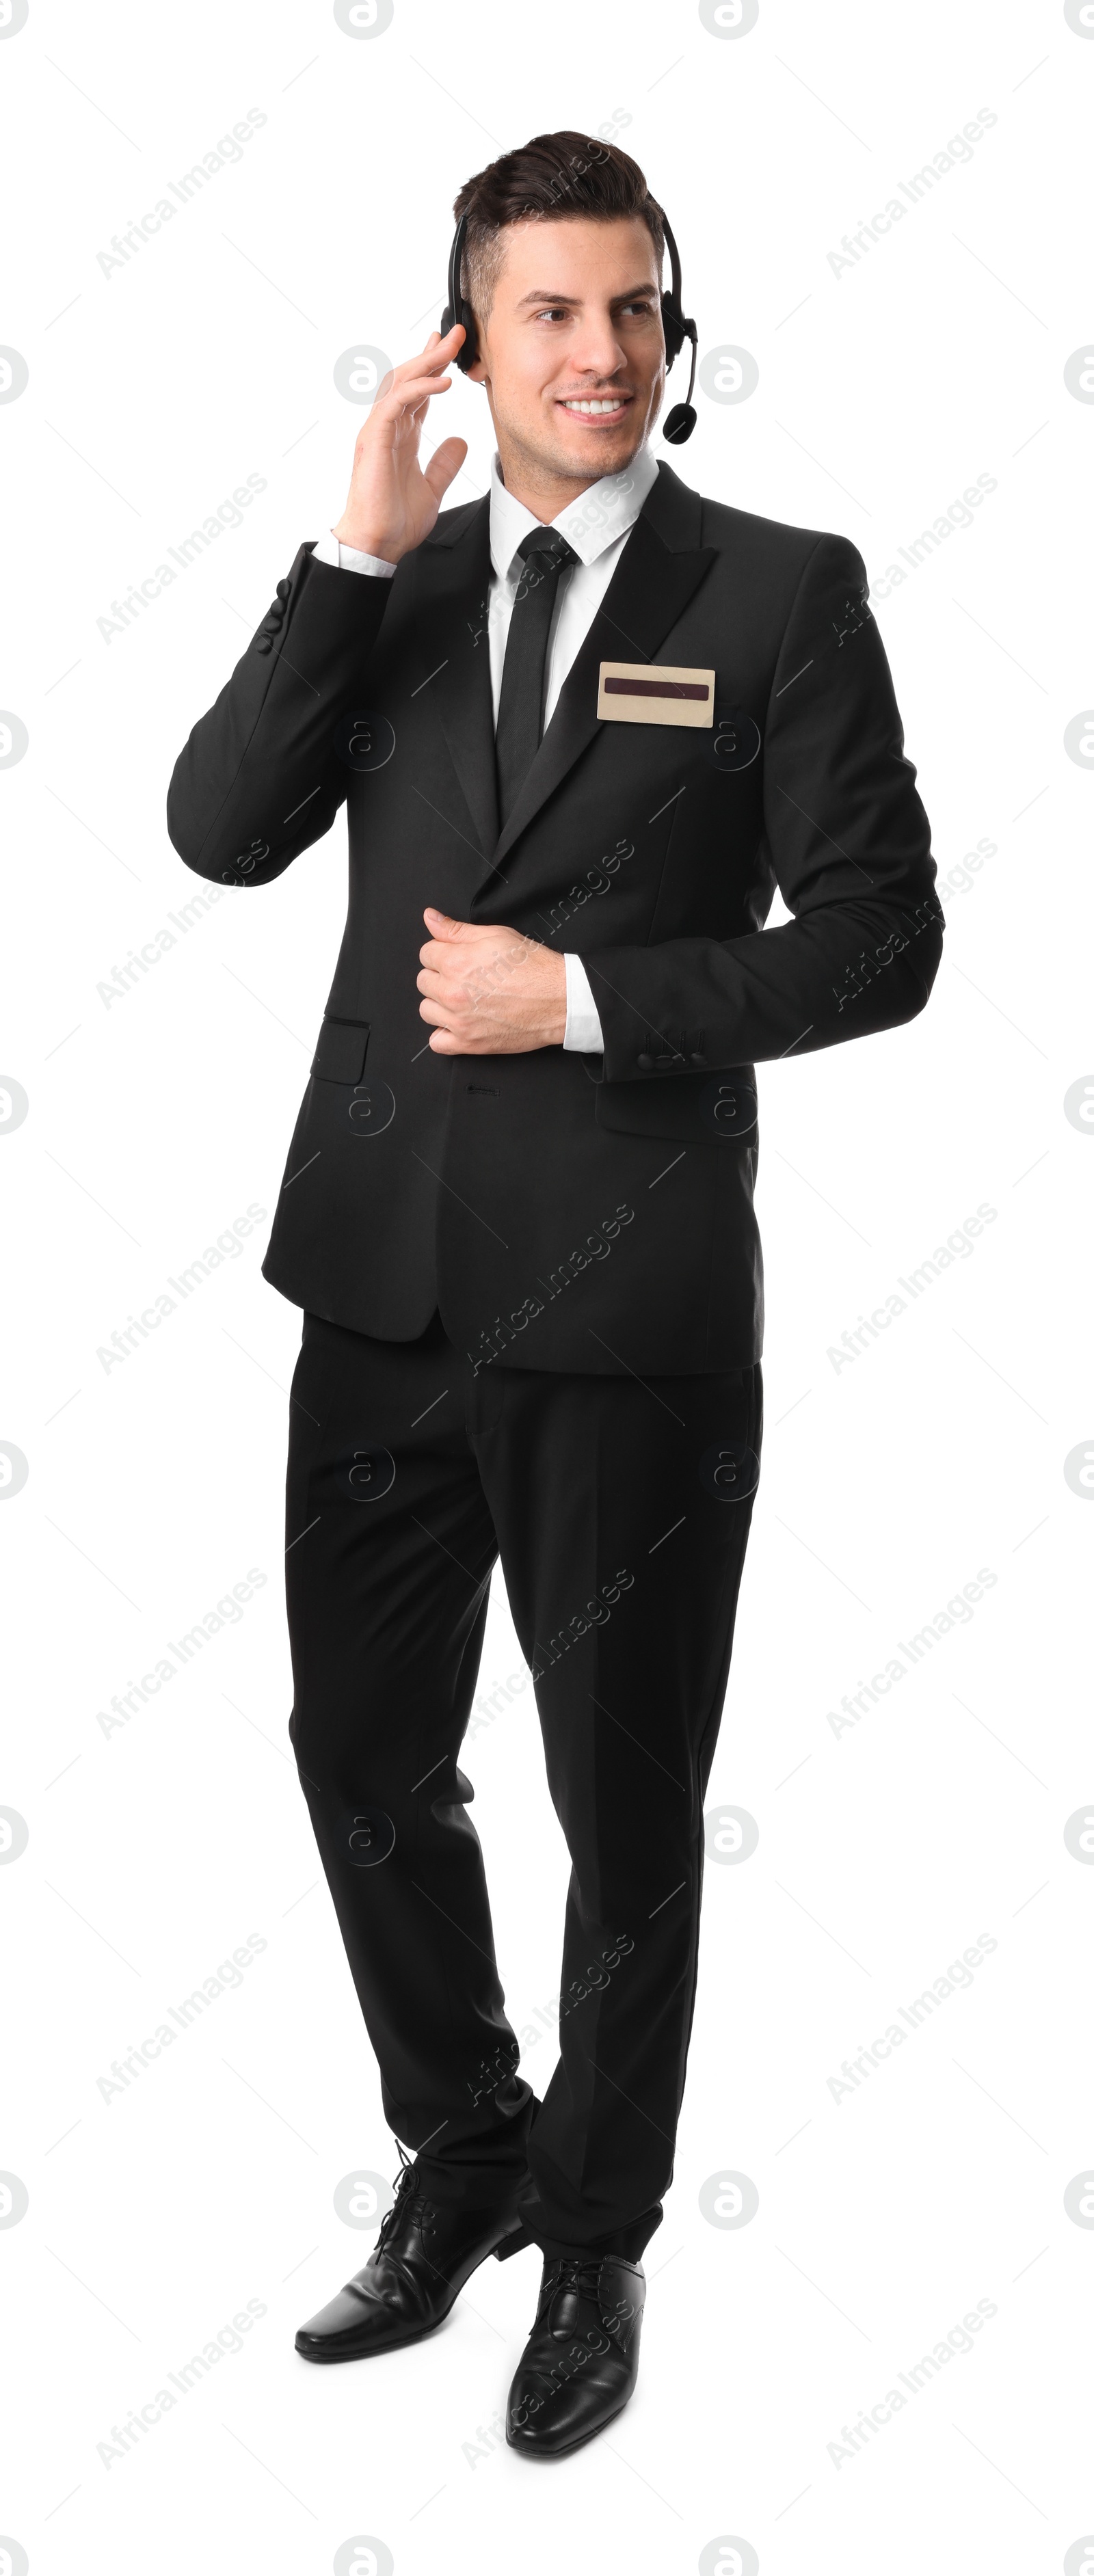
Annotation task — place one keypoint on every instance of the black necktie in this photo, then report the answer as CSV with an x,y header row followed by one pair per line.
x,y
520,710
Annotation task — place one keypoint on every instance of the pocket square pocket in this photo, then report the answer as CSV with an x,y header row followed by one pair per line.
x,y
660,693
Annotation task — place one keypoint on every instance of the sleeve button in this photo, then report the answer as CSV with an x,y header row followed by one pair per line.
x,y
645,1063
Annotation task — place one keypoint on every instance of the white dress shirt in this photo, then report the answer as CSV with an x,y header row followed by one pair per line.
x,y
597,526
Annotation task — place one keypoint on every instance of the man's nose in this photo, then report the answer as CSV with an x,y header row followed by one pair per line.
x,y
597,353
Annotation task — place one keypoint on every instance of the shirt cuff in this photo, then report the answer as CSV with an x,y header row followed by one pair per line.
x,y
584,1035
349,558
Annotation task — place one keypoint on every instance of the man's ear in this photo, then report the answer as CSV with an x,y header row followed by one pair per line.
x,y
476,373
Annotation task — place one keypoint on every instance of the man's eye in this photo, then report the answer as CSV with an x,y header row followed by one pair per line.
x,y
560,312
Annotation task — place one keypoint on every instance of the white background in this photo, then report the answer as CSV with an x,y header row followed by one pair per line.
x,y
889,1481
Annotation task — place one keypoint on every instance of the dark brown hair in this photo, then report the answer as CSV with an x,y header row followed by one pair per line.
x,y
553,176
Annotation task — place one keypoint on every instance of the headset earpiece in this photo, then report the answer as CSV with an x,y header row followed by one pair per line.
x,y
456,310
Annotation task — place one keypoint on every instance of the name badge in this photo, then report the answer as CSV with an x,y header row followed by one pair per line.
x,y
655,693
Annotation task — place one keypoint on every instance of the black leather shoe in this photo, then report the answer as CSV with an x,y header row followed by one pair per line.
x,y
580,2362
426,2250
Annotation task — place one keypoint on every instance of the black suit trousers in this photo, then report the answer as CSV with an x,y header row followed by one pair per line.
x,y
619,1508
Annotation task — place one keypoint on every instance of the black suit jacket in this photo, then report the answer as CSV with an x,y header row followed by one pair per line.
x,y
565,1211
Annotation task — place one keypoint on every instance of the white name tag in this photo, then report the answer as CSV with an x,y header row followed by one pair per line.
x,y
658,693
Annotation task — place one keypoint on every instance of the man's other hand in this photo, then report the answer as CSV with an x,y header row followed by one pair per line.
x,y
489,991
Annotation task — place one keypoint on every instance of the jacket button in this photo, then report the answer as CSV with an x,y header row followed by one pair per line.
x,y
645,1063
699,1060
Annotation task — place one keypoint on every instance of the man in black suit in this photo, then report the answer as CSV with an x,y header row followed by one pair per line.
x,y
583,728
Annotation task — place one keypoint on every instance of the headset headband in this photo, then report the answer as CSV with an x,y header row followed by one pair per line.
x,y
677,325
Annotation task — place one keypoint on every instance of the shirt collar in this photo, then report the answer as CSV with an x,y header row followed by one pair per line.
x,y
591,524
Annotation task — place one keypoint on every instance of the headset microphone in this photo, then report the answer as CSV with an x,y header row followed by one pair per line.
x,y
677,325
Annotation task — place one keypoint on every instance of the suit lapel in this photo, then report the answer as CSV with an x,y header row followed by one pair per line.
x,y
454,608
658,572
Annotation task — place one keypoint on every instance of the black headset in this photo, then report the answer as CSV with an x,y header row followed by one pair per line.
x,y
676,324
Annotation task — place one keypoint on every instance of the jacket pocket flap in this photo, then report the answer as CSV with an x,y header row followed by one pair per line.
x,y
343,1046
692,1109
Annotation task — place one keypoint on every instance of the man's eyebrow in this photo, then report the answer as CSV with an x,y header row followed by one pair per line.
x,y
540,295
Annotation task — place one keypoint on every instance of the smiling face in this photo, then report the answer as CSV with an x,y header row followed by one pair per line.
x,y
572,353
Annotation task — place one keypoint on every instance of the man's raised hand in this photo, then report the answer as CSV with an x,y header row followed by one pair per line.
x,y
392,504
